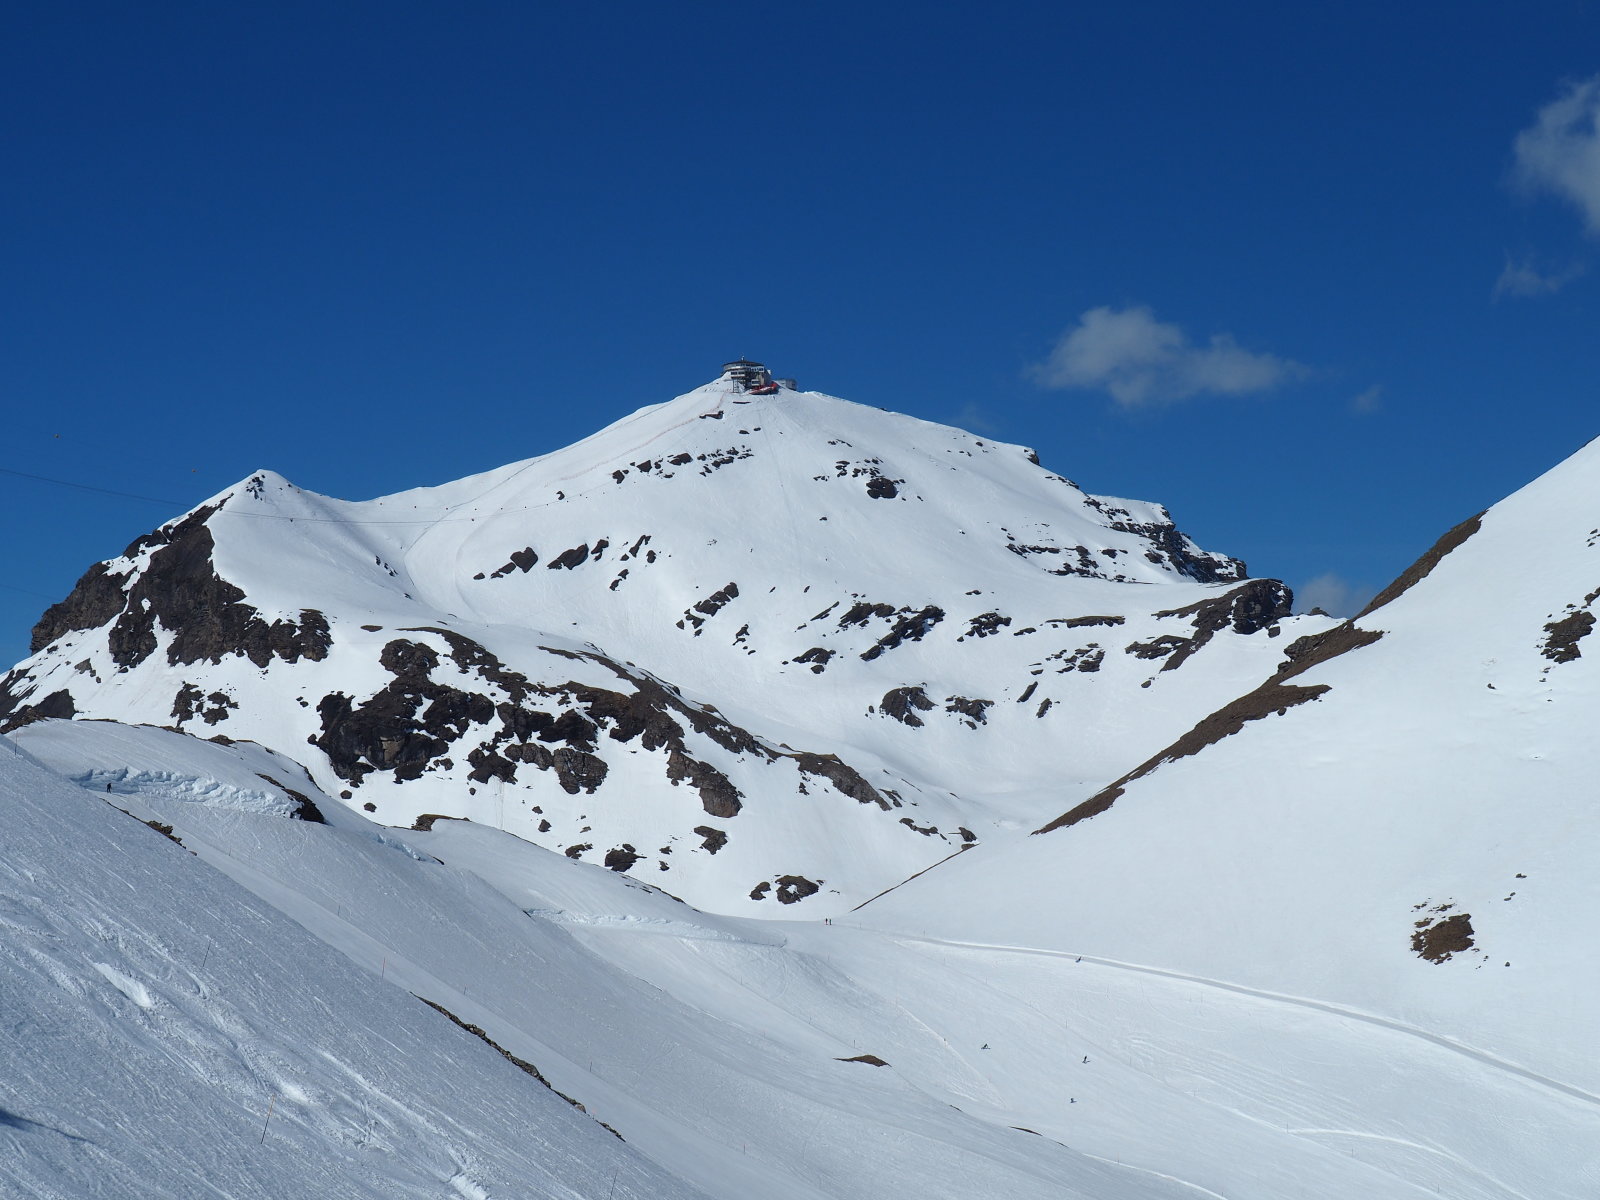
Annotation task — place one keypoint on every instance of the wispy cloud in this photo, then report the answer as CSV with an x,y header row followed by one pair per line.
x,y
1560,152
1141,361
978,418
1369,401
1333,594
1522,279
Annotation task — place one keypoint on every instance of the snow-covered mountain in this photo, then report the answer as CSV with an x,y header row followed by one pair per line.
x,y
1403,823
756,648
1252,906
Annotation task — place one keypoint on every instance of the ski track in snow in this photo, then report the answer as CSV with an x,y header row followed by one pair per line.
x,y
632,924
1455,1160
1122,1166
192,1043
477,501
1450,1044
376,1116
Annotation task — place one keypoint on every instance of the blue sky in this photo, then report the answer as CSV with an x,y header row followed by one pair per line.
x,y
1322,280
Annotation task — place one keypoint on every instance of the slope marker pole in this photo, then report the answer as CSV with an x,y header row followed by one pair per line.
x,y
268,1121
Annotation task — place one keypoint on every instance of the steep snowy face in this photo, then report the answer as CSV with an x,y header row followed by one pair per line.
x,y
1401,821
168,1034
759,648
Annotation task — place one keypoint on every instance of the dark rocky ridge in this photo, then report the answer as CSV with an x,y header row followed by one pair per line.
x,y
1169,544
97,599
402,727
1275,696
1423,567
14,714
910,626
180,591
411,724
1249,608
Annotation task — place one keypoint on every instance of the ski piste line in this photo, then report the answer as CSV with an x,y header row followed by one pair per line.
x,y
1353,1014
1124,1166
345,937
427,523
445,518
477,501
1455,1160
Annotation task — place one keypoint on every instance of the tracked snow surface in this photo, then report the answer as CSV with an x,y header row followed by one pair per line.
x,y
1400,827
169,1033
761,650
164,1034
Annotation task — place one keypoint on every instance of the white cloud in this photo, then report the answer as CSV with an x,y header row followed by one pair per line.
x,y
1143,361
1560,152
1369,401
1333,594
977,418
1522,279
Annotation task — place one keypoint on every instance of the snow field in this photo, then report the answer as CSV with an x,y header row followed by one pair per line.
x,y
154,1013
712,1043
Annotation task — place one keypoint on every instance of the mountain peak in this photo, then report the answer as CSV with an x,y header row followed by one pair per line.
x,y
715,641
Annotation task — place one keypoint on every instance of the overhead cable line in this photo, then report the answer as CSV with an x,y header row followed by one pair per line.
x,y
234,512
10,587
84,487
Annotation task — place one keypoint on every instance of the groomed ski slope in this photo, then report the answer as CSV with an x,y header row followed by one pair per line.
x,y
713,1043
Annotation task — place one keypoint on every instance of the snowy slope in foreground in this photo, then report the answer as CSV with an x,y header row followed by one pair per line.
x,y
713,1044
759,650
1406,827
156,1016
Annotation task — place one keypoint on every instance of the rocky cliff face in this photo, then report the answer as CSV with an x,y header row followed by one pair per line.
x,y
763,650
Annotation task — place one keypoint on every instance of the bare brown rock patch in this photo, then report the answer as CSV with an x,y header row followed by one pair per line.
x,y
1436,940
1562,637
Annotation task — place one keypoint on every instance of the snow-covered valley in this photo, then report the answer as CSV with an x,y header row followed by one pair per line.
x,y
164,1006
